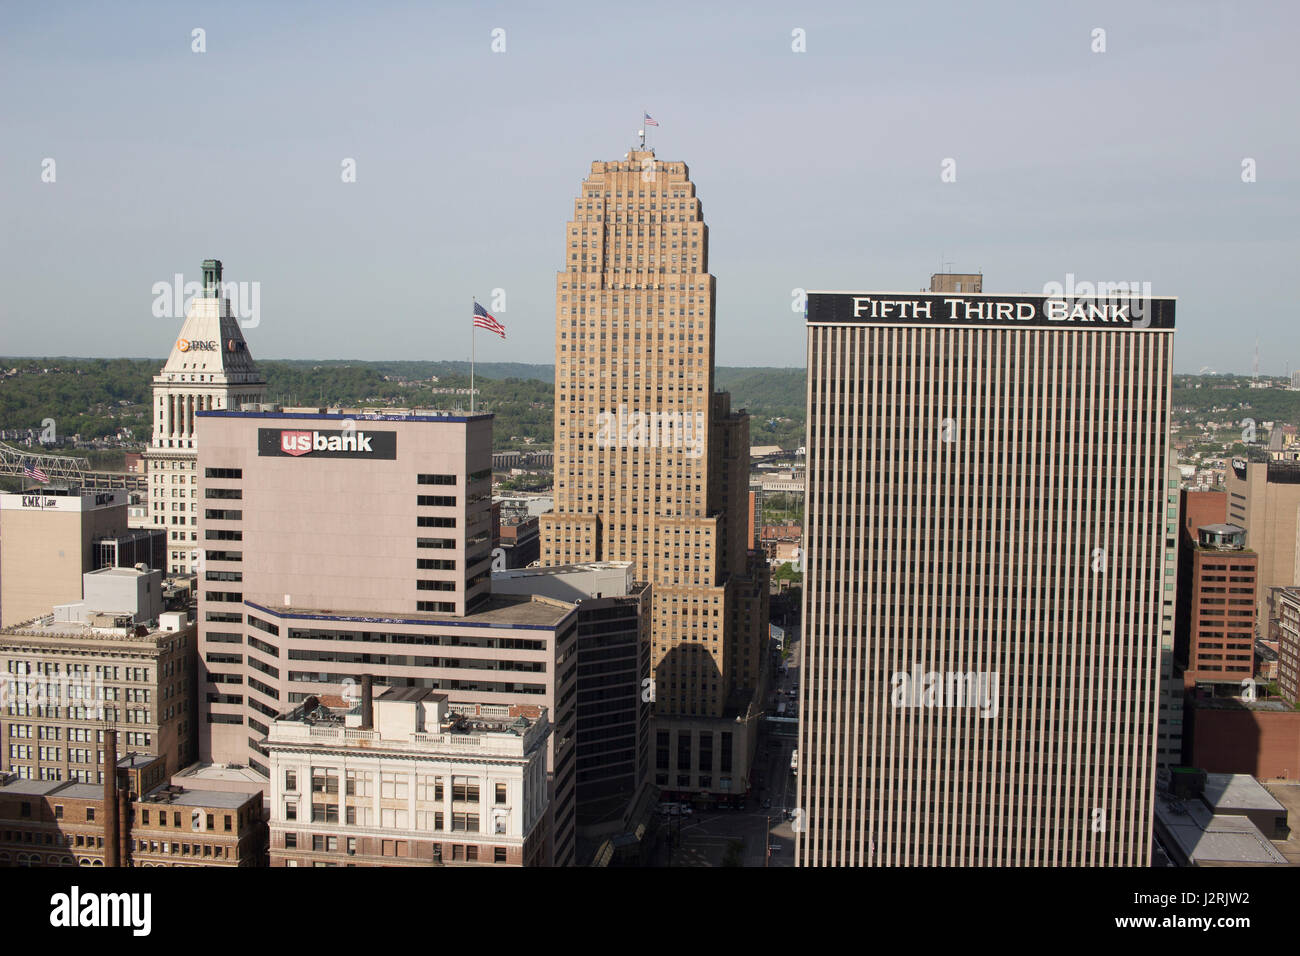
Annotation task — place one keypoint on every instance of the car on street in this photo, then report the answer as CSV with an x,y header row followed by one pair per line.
x,y
767,804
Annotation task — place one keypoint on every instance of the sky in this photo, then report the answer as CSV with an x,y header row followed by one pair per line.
x,y
819,168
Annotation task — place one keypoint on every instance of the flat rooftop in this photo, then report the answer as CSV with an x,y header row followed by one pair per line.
x,y
217,799
501,610
411,694
35,788
331,413
1204,838
199,772
114,572
49,628
81,791
1238,791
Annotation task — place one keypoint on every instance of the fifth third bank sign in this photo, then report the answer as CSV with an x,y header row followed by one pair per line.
x,y
1024,311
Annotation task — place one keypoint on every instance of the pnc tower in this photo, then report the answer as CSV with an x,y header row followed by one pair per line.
x,y
209,367
651,464
989,579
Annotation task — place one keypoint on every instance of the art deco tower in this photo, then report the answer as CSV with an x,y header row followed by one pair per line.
x,y
209,367
651,465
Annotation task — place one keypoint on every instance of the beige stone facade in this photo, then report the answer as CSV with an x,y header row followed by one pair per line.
x,y
60,680
209,367
651,465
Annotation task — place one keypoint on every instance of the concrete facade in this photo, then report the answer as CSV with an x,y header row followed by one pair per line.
x,y
325,564
47,542
979,471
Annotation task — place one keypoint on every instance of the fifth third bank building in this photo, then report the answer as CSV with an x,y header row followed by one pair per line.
x,y
989,579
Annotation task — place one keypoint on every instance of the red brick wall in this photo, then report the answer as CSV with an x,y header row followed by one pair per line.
x,y
1261,743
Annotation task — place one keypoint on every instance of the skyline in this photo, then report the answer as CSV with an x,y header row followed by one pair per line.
x,y
1136,144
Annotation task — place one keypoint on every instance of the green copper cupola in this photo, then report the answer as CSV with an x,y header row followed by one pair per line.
x,y
211,278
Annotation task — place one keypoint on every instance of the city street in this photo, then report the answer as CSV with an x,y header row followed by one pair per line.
x,y
705,835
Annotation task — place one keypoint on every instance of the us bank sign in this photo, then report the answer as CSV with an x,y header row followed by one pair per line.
x,y
891,308
321,443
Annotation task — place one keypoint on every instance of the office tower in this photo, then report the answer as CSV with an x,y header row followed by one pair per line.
x,y
1264,498
342,543
651,465
209,367
1218,645
62,676
613,691
989,579
403,779
48,540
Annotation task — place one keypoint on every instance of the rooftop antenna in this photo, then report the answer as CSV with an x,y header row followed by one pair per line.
x,y
1256,378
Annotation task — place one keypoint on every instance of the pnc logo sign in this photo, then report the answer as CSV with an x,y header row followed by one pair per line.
x,y
196,345
348,443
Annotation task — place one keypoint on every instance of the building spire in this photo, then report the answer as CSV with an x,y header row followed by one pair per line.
x,y
211,278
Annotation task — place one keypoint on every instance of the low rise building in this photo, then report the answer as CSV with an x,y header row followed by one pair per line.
x,y
48,540
64,675
48,823
407,779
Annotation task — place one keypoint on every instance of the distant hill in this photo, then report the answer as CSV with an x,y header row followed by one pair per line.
x,y
97,397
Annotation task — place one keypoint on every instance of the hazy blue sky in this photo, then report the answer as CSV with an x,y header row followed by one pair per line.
x,y
818,170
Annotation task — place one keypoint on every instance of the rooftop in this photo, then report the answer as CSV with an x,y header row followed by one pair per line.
x,y
1205,838
269,410
1238,791
215,772
47,627
179,797
1223,528
501,610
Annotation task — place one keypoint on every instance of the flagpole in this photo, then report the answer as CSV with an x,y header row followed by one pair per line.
x,y
473,327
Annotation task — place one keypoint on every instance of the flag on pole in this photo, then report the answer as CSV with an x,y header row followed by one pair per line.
x,y
484,321
650,120
33,472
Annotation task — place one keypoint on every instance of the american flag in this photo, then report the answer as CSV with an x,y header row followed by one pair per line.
x,y
33,472
650,120
484,321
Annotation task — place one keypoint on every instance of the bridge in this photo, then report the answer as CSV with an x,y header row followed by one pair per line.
x,y
66,468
